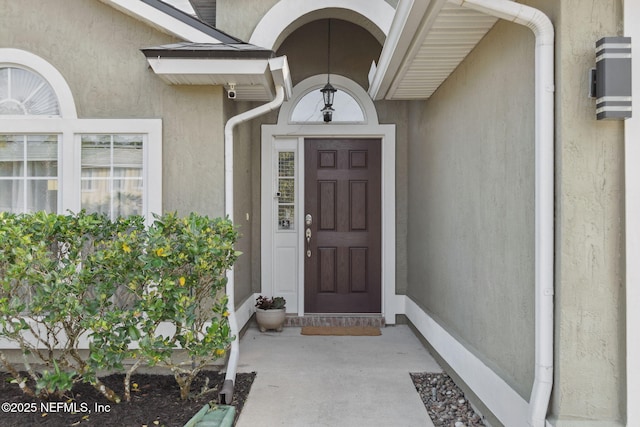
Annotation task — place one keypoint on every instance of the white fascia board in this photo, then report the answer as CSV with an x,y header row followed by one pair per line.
x,y
245,74
410,25
168,24
209,66
281,75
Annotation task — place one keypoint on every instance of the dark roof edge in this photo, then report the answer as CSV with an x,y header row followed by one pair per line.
x,y
192,21
205,10
224,52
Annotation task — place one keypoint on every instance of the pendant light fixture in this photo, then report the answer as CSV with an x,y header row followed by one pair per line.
x,y
328,91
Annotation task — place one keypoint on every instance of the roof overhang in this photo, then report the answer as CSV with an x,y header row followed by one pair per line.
x,y
170,20
252,72
428,39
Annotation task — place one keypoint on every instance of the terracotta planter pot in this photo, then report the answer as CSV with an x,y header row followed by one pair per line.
x,y
270,319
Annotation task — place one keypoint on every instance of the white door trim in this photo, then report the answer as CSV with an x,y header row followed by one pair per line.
x,y
391,305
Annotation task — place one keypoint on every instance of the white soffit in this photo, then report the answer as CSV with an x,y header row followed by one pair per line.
x,y
252,78
439,43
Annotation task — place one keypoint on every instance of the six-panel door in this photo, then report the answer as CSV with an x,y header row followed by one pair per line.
x,y
342,251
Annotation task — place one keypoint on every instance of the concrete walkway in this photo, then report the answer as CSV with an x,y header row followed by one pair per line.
x,y
305,381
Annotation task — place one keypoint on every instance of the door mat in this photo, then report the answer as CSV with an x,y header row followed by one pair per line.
x,y
354,331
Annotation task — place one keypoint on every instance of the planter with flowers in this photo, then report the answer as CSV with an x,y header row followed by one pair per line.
x,y
270,313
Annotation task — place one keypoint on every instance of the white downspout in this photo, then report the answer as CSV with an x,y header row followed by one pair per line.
x,y
542,27
232,365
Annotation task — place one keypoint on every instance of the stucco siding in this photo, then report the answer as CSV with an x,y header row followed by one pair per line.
x,y
240,17
589,336
97,50
246,199
471,204
471,214
352,50
397,112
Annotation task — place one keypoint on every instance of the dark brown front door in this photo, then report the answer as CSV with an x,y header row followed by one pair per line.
x,y
342,254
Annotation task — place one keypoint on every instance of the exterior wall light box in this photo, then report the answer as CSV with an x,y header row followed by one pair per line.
x,y
611,79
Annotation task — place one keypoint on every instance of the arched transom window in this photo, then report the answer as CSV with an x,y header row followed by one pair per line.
x,y
23,92
309,108
351,104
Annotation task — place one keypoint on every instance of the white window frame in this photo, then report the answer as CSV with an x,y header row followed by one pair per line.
x,y
69,162
69,128
338,119
26,60
25,177
34,92
293,226
151,131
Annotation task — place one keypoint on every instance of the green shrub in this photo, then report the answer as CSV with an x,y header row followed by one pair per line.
x,y
50,291
67,278
187,260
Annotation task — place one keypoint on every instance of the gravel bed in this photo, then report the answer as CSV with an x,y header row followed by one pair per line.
x,y
445,402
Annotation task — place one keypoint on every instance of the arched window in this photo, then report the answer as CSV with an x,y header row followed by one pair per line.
x,y
351,104
112,165
25,93
308,109
28,162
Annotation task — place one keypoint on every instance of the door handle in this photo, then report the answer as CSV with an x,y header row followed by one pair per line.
x,y
307,234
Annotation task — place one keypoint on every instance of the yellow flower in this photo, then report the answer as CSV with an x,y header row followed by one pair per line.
x,y
160,252
126,248
219,352
182,281
225,314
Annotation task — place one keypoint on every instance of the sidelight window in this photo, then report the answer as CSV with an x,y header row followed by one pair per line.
x,y
286,190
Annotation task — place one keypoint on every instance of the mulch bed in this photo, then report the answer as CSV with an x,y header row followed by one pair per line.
x,y
155,403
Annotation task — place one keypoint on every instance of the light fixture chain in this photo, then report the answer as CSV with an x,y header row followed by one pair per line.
x,y
328,50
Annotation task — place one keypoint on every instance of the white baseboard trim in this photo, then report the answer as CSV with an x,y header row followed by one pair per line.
x,y
584,423
505,403
393,306
245,310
